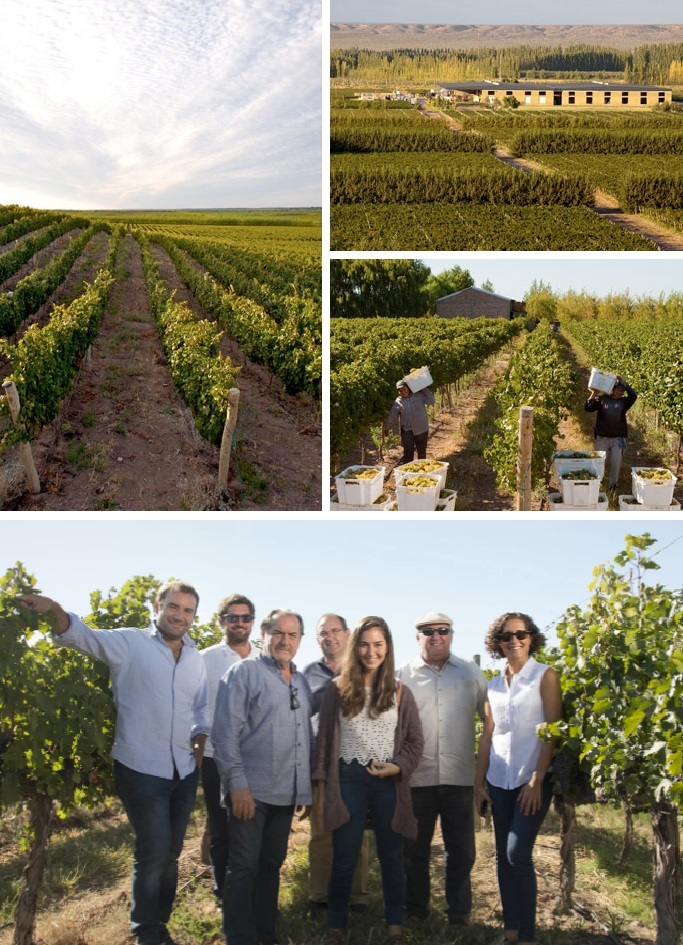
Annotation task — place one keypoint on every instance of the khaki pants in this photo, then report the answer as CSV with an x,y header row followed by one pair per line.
x,y
320,865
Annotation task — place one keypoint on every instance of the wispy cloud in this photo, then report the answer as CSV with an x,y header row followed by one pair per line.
x,y
160,103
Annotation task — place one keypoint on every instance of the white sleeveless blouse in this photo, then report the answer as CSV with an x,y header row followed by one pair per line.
x,y
517,709
363,738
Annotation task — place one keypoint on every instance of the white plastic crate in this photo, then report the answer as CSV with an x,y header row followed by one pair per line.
x,y
563,462
417,465
446,500
556,504
602,381
655,493
354,491
418,379
629,503
376,506
422,501
580,492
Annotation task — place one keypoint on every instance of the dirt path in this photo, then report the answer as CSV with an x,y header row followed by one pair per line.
x,y
124,440
607,207
279,434
455,438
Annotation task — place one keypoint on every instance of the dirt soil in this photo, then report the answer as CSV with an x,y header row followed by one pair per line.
x,y
124,440
99,916
608,208
453,439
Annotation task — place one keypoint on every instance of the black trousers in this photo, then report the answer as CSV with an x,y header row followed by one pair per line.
x,y
412,443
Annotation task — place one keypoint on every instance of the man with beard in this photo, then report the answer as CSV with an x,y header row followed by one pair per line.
x,y
161,697
236,619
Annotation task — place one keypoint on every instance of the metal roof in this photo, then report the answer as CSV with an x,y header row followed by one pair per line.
x,y
565,85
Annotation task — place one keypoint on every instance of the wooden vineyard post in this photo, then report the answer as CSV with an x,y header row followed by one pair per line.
x,y
24,448
526,428
226,442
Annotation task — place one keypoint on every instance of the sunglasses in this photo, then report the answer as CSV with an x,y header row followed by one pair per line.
x,y
518,635
238,618
430,631
294,698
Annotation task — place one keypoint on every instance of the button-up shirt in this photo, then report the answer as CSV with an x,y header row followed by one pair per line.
x,y
217,660
448,700
161,703
259,741
516,709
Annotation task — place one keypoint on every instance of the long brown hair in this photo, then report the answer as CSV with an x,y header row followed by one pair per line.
x,y
351,681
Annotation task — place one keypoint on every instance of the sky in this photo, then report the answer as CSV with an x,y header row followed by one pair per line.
x,y
601,276
160,104
498,11
473,570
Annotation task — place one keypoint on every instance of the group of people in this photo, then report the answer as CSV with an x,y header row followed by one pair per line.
x,y
351,740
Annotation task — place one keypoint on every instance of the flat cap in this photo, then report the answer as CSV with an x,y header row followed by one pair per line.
x,y
434,617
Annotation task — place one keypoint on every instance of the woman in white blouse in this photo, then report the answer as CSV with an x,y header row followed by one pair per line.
x,y
513,764
369,742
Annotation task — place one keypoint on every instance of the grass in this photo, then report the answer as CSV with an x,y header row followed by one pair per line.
x,y
82,456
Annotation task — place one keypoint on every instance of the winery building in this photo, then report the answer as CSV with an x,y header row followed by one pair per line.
x,y
478,303
553,94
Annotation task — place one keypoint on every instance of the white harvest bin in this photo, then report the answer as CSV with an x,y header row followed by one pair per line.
x,y
446,501
657,492
379,505
418,379
352,490
602,381
556,504
569,461
422,466
422,501
580,492
629,503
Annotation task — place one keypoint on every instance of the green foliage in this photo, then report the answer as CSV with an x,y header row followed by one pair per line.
x,y
538,376
622,672
15,258
399,131
444,283
656,191
598,141
373,288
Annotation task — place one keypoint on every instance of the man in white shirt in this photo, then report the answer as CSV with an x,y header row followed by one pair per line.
x,y
236,619
161,697
449,692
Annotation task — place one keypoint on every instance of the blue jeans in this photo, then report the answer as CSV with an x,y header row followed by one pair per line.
x,y
454,806
258,848
218,824
159,810
515,837
362,792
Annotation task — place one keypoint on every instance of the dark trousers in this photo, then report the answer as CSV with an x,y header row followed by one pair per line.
x,y
454,806
361,792
218,824
258,848
412,443
515,837
159,810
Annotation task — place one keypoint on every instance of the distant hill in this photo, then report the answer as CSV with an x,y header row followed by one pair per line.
x,y
380,36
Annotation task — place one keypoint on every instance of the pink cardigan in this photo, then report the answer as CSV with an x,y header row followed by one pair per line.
x,y
408,745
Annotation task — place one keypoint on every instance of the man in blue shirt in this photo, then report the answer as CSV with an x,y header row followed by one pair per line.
x,y
261,738
161,697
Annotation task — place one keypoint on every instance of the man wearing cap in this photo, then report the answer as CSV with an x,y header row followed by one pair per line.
x,y
449,692
409,410
236,619
611,428
332,634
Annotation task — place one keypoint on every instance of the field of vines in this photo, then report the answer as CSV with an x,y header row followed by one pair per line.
x,y
401,180
253,277
368,356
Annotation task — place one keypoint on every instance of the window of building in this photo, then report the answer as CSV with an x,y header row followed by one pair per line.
x,y
643,98
624,98
571,98
608,98
541,98
661,97
589,98
527,98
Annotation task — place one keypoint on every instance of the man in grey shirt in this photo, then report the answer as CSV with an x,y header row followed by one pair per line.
x,y
332,634
410,411
449,692
262,738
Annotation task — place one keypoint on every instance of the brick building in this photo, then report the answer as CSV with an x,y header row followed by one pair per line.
x,y
478,303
